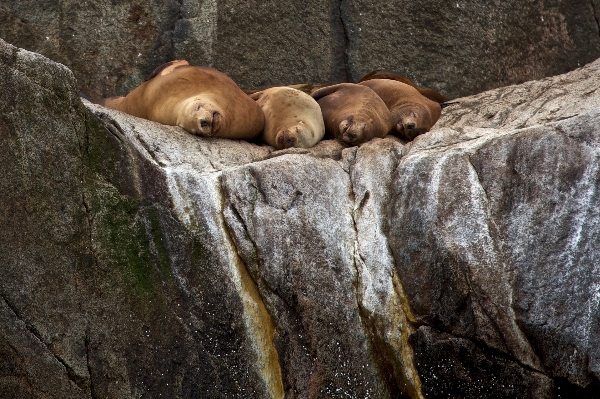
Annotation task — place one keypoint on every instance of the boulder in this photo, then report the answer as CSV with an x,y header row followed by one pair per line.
x,y
457,48
139,260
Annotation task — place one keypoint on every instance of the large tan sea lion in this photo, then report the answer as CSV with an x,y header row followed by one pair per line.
x,y
353,113
392,75
412,113
201,100
292,118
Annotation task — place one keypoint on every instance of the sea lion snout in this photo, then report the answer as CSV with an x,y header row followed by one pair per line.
x,y
409,129
208,121
351,131
412,122
287,138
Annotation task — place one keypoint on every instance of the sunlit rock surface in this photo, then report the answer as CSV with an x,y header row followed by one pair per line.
x,y
139,260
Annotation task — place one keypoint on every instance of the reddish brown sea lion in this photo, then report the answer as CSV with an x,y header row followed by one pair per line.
x,y
352,114
387,74
201,100
412,113
292,118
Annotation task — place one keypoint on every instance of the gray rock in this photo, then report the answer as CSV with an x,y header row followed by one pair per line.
x,y
461,48
137,259
456,48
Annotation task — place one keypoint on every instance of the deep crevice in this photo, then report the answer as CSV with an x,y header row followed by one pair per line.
x,y
346,42
499,246
595,16
112,126
88,363
256,280
496,352
84,151
263,284
79,381
383,356
178,18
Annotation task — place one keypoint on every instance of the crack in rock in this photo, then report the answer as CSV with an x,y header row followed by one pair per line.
x,y
346,42
263,327
79,381
595,16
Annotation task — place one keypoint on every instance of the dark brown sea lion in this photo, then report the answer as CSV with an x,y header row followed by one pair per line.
x,y
388,74
292,118
352,114
201,100
413,114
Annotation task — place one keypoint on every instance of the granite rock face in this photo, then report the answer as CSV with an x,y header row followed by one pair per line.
x,y
458,48
139,260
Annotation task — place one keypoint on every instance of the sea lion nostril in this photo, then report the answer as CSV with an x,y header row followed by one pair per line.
x,y
203,123
411,126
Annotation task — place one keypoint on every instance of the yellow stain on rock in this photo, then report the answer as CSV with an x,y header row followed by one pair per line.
x,y
261,325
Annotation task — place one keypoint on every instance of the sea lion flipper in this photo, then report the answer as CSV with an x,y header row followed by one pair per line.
x,y
307,88
325,91
393,75
387,74
167,68
256,95
370,75
111,102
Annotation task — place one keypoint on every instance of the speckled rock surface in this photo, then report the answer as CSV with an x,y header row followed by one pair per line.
x,y
139,260
455,47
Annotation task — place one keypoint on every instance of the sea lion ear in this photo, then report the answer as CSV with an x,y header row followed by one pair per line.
x,y
325,91
256,95
167,68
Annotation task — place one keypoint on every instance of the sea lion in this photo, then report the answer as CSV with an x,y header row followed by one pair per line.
x,y
412,113
387,74
352,114
167,68
292,118
201,100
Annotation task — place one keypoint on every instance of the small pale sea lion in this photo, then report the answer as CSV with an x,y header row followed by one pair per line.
x,y
352,114
201,100
392,75
412,113
292,118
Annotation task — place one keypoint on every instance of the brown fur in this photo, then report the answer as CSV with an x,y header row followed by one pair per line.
x,y
387,74
167,68
202,100
352,114
413,114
